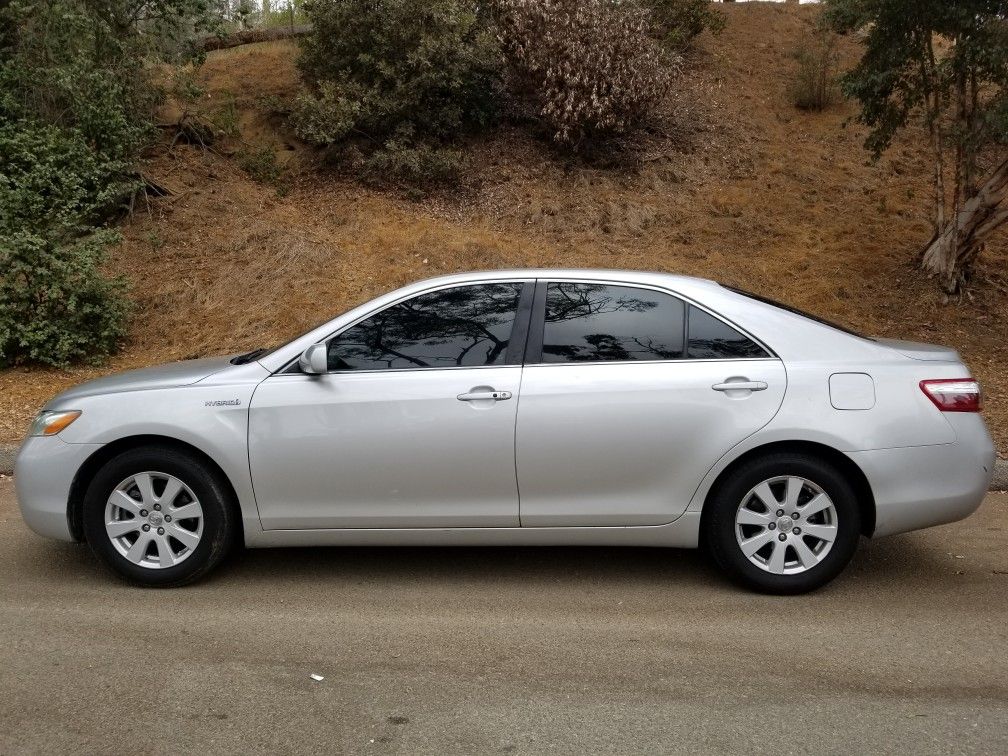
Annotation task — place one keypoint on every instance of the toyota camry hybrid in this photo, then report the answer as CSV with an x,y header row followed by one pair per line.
x,y
543,407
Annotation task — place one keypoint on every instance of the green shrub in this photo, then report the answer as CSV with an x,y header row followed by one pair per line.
x,y
52,181
75,110
71,105
814,85
588,70
225,118
328,116
56,306
261,165
378,69
411,164
65,67
678,22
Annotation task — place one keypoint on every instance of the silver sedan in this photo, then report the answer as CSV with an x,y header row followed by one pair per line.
x,y
541,407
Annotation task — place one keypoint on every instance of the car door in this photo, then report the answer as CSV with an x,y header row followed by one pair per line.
x,y
413,425
629,396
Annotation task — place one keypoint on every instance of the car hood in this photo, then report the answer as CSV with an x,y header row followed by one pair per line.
x,y
920,351
171,375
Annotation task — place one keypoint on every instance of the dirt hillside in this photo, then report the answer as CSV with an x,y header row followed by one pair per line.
x,y
737,185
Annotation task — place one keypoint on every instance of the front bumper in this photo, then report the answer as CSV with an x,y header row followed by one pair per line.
x,y
920,486
43,474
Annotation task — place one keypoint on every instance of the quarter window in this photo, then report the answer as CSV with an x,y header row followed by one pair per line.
x,y
712,339
596,322
466,326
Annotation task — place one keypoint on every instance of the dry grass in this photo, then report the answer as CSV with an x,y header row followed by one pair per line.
x,y
741,187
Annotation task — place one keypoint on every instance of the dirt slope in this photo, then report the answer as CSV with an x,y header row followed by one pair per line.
x,y
739,186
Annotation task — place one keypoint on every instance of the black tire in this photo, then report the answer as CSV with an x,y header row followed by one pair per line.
x,y
219,521
719,528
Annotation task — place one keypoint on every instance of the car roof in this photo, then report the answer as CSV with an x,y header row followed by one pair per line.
x,y
677,282
606,273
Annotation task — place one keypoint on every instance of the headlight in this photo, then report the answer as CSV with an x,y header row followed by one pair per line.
x,y
50,422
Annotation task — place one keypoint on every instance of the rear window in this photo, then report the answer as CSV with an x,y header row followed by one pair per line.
x,y
796,311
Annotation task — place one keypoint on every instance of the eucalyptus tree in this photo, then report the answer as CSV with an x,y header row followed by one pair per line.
x,y
943,65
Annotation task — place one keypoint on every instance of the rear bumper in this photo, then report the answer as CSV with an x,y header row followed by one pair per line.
x,y
920,486
43,473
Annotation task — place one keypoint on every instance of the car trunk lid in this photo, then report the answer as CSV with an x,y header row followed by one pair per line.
x,y
918,350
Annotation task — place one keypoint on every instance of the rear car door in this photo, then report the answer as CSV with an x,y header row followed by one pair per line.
x,y
413,425
629,395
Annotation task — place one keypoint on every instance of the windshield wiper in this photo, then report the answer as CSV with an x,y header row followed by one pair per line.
x,y
241,359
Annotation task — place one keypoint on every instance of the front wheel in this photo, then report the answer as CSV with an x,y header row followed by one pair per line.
x,y
158,516
784,523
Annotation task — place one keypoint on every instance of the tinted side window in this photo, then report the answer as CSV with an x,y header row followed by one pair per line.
x,y
596,322
711,339
461,327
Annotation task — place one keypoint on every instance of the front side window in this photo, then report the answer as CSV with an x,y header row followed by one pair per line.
x,y
597,322
466,326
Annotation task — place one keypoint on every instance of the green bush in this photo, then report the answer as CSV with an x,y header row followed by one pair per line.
x,y
63,66
261,165
378,69
54,182
327,116
72,104
56,306
75,110
225,118
678,22
814,84
411,164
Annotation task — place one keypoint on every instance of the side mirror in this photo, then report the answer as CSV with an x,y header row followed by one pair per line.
x,y
314,360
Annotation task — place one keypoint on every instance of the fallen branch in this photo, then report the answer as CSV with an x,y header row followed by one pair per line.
x,y
146,188
154,188
252,36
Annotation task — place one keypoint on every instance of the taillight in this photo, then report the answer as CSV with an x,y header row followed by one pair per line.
x,y
953,394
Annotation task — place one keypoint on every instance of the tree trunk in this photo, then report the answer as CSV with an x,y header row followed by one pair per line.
x,y
950,254
252,36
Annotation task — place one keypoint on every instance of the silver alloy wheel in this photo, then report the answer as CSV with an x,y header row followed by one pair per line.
x,y
786,525
154,520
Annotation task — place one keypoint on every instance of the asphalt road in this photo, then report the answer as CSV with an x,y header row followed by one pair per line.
x,y
507,651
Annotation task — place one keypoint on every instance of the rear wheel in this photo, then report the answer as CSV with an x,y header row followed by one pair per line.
x,y
158,516
784,523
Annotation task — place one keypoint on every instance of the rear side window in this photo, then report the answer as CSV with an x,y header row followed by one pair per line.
x,y
712,339
597,322
461,327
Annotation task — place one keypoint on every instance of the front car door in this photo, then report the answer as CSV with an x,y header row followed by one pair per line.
x,y
627,401
413,425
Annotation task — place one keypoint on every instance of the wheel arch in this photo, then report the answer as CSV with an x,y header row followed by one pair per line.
x,y
848,467
91,466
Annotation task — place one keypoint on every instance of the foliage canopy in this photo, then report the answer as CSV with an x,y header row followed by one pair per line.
x,y
944,64
75,106
398,78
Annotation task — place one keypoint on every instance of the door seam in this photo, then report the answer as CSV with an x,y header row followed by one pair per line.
x,y
514,442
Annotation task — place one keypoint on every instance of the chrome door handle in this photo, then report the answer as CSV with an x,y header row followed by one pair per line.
x,y
740,386
475,396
